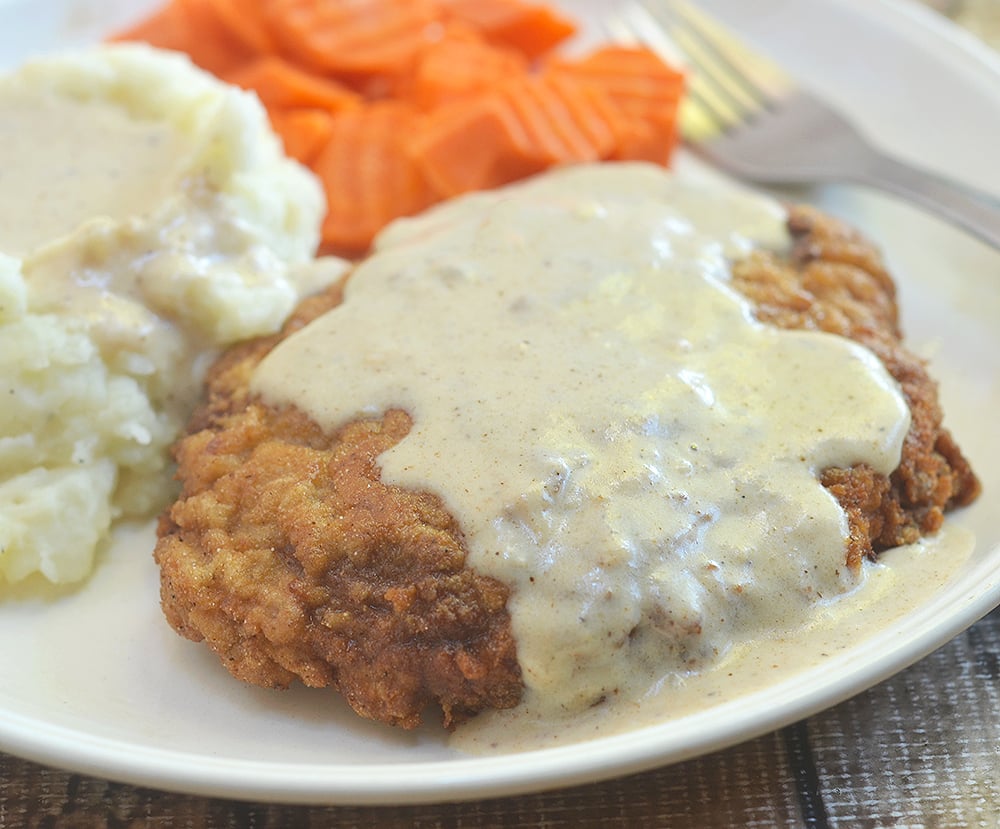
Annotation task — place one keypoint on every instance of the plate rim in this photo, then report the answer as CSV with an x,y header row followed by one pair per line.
x,y
469,778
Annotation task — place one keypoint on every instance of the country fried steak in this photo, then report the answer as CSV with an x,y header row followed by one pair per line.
x,y
291,559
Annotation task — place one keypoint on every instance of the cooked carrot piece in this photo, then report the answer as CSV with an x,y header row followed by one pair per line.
x,y
368,176
523,98
635,78
531,29
190,26
281,85
645,90
245,22
169,27
474,145
211,47
461,64
304,132
562,123
638,140
594,114
357,37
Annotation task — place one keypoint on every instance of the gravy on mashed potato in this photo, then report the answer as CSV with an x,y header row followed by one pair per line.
x,y
148,217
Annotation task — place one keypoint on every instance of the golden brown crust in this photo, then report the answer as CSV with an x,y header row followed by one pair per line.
x,y
835,281
287,554
290,558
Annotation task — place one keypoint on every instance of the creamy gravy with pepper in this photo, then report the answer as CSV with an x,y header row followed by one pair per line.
x,y
621,442
66,161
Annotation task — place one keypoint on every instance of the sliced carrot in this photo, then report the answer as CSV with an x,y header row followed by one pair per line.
x,y
281,85
357,37
638,140
474,145
210,46
529,28
368,176
190,26
304,132
645,90
563,128
245,22
461,64
169,27
592,111
635,78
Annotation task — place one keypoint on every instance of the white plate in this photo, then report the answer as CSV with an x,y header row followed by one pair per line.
x,y
96,682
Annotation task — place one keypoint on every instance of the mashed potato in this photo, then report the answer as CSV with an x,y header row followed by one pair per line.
x,y
147,217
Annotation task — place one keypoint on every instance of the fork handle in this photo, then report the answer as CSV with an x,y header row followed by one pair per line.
x,y
971,209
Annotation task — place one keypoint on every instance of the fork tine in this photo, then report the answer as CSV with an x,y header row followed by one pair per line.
x,y
728,83
736,67
731,86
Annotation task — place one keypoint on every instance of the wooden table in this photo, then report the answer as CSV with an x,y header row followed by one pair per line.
x,y
920,750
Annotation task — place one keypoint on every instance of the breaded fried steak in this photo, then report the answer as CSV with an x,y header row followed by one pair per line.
x,y
292,558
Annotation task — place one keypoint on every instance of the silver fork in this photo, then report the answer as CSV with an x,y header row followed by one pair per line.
x,y
746,116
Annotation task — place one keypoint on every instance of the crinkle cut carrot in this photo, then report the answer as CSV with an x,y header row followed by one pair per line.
x,y
638,140
529,28
191,26
525,125
211,47
246,23
282,85
593,112
304,132
645,90
562,119
635,78
355,37
473,145
368,176
461,64
169,27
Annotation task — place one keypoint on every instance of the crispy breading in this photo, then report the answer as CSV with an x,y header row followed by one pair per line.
x,y
835,281
289,556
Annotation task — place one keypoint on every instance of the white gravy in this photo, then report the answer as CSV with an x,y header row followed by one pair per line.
x,y
759,675
67,161
621,442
